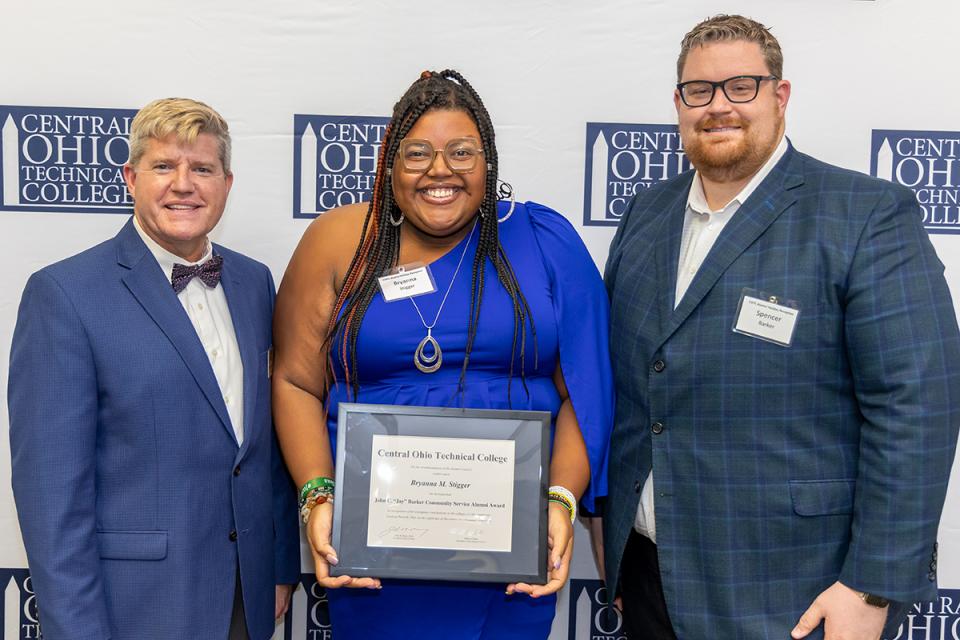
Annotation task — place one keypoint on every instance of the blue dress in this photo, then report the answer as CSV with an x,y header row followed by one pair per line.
x,y
569,307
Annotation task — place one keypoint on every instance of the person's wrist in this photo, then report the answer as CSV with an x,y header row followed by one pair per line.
x,y
319,507
563,497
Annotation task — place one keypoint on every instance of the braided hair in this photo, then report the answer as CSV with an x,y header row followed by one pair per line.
x,y
379,247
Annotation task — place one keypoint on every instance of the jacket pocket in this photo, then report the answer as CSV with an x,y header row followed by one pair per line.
x,y
822,497
132,545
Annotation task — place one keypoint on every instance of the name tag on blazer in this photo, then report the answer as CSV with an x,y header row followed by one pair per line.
x,y
766,317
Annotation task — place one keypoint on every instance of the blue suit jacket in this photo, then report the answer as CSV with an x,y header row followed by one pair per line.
x,y
779,470
126,471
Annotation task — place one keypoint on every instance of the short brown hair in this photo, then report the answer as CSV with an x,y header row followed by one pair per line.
x,y
724,28
182,117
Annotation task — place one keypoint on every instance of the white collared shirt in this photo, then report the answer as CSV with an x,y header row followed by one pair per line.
x,y
701,228
210,316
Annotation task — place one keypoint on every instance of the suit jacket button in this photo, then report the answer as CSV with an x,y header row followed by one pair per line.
x,y
233,535
659,366
236,470
637,486
657,427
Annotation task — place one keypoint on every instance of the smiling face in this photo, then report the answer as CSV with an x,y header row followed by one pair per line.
x,y
440,203
179,191
725,141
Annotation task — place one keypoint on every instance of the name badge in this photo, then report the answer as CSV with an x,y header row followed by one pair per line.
x,y
406,281
767,317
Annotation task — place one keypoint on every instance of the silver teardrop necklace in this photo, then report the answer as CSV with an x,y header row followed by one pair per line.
x,y
430,363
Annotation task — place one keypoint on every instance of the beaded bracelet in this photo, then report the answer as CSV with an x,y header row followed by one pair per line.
x,y
323,482
565,498
314,500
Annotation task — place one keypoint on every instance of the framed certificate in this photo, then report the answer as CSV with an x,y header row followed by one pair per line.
x,y
441,493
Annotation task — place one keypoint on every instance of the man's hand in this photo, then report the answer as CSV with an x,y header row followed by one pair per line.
x,y
282,601
844,614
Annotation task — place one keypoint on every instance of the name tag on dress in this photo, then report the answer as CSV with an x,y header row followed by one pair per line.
x,y
767,317
406,281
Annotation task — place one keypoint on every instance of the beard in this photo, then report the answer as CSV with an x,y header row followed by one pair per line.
x,y
731,160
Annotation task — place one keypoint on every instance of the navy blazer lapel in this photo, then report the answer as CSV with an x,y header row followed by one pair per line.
x,y
146,282
667,252
241,314
771,198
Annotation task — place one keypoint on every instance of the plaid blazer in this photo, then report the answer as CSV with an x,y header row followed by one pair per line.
x,y
779,470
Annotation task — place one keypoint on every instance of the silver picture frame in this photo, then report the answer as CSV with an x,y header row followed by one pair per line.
x,y
433,493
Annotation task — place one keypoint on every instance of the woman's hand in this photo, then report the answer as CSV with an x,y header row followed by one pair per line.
x,y
560,540
319,528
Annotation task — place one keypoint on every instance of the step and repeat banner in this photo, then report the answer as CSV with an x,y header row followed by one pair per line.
x,y
581,97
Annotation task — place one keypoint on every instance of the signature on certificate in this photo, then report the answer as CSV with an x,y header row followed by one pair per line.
x,y
403,533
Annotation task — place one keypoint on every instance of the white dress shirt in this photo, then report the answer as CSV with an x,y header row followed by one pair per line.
x,y
701,228
210,316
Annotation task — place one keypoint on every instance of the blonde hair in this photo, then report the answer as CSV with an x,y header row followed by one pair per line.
x,y
724,28
182,117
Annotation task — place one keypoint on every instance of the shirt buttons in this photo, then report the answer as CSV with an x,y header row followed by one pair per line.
x,y
200,306
657,427
215,353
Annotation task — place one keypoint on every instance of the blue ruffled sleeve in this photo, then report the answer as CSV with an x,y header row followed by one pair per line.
x,y
583,314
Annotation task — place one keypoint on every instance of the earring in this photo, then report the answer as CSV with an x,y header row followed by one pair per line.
x,y
505,190
395,223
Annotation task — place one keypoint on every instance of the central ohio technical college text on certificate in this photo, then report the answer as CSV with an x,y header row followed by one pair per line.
x,y
441,493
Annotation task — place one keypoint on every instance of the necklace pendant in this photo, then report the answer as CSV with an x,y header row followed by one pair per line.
x,y
428,363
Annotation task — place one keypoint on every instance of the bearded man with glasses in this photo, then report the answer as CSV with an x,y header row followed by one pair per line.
x,y
787,403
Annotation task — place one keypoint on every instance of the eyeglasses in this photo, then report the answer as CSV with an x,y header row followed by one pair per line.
x,y
738,89
460,154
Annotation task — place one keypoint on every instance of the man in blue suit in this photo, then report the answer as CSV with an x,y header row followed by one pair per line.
x,y
785,352
151,495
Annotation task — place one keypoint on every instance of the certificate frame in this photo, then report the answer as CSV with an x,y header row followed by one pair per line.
x,y
526,558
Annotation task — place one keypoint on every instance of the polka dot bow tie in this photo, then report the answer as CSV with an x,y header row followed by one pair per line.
x,y
208,272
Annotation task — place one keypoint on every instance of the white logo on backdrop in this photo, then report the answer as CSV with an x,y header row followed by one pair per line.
x,y
335,161
928,163
622,159
64,159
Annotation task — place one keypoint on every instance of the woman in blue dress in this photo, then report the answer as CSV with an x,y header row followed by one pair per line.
x,y
518,320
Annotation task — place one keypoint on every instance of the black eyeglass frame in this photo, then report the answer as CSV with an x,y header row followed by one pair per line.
x,y
722,84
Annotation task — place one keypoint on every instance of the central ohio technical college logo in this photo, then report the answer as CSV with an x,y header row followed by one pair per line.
x,y
20,617
938,620
64,159
308,618
928,162
621,159
591,618
334,161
